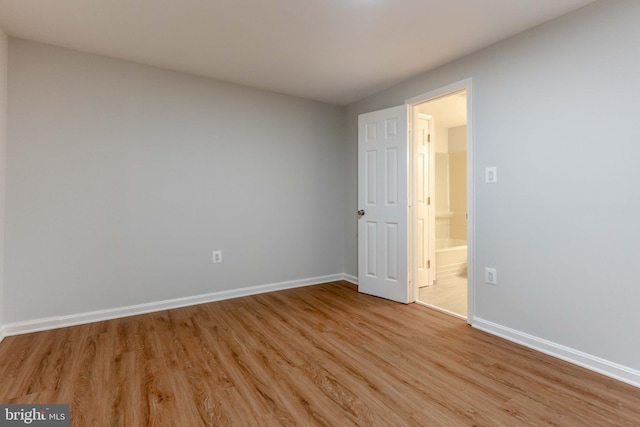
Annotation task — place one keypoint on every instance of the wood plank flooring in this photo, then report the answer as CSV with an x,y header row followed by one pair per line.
x,y
321,355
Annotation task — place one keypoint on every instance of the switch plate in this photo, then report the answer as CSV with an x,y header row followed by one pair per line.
x,y
490,276
491,175
217,257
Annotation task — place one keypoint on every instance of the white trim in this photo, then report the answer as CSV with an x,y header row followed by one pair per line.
x,y
132,310
443,91
350,278
471,206
2,333
465,84
577,357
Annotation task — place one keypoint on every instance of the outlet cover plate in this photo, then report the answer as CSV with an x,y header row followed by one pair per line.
x,y
490,276
491,175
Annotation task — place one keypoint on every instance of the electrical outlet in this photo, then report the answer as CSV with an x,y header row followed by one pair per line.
x,y
217,257
491,276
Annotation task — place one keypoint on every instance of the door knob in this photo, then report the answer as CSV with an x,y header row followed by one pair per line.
x,y
360,213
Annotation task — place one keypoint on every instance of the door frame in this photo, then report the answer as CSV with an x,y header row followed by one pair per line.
x,y
465,84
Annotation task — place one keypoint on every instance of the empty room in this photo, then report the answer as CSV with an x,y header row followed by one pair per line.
x,y
355,212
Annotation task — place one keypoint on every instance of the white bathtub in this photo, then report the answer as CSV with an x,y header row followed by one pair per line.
x,y
451,258
449,243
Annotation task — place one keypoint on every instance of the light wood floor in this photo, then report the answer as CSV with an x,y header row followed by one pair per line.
x,y
320,355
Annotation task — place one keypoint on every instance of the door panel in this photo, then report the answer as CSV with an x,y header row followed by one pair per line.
x,y
371,249
423,227
382,195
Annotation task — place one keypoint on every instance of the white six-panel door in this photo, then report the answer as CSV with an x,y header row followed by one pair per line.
x,y
382,204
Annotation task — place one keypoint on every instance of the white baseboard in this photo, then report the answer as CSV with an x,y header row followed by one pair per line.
x,y
132,310
350,278
577,357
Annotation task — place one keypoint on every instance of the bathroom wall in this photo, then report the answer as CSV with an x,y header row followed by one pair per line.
x,y
451,183
441,196
457,157
441,138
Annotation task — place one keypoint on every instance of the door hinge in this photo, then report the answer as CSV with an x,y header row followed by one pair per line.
x,y
429,263
428,200
429,138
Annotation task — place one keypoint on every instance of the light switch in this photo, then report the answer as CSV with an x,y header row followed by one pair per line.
x,y
491,175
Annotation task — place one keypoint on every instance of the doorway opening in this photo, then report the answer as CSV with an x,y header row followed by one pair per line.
x,y
439,208
397,199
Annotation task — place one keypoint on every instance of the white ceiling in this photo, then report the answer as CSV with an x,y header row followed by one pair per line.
x,y
335,51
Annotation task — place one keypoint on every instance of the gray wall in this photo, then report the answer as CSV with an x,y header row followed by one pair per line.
x,y
555,109
123,178
4,55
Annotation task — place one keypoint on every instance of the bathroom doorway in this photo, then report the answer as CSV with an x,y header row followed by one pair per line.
x,y
440,203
